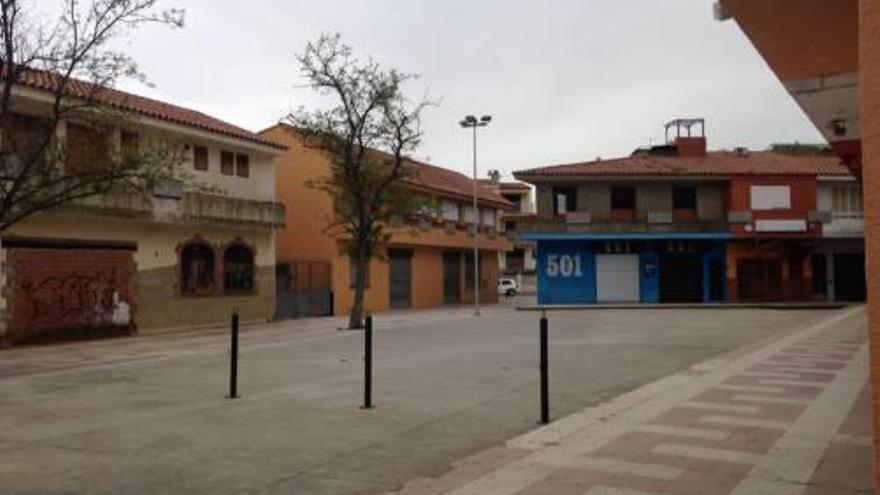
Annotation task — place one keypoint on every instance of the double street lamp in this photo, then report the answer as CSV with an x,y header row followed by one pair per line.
x,y
471,122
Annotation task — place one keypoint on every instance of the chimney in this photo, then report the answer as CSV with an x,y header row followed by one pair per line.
x,y
688,136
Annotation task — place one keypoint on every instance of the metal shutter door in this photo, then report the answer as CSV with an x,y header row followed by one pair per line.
x,y
617,277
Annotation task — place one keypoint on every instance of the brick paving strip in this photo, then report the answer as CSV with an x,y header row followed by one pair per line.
x,y
787,418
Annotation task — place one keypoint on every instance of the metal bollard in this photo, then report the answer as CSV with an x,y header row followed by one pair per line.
x,y
233,356
368,362
545,365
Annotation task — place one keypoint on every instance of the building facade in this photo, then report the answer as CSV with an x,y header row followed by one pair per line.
x,y
825,54
180,257
427,262
521,260
678,224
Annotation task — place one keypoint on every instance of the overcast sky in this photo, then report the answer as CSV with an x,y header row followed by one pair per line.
x,y
565,80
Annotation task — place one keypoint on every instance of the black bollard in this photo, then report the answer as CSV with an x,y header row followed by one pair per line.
x,y
233,357
368,362
545,365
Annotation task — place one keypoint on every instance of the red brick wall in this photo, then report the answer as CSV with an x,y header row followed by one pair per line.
x,y
869,33
52,290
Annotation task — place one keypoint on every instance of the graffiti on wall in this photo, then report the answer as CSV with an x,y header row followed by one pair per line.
x,y
92,299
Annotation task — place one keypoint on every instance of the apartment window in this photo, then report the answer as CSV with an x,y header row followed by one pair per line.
x,y
242,165
847,198
352,273
469,214
771,197
489,217
564,200
87,149
130,142
227,163
197,269
449,211
238,269
623,198
684,198
200,158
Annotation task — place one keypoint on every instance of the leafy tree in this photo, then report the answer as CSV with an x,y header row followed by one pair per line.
x,y
367,134
72,58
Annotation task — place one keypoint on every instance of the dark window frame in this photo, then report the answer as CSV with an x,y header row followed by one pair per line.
x,y
200,158
197,284
227,163
684,198
623,197
239,272
570,194
242,165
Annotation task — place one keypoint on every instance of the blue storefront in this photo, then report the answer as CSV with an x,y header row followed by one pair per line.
x,y
636,267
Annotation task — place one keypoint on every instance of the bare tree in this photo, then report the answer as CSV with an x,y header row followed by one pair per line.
x,y
367,134
71,61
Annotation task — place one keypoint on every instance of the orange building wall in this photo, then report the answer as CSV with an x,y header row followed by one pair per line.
x,y
308,212
869,28
780,28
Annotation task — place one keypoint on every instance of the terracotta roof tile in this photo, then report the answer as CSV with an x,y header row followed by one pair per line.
x,y
451,182
148,107
715,163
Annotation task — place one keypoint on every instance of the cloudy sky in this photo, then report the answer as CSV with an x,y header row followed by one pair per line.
x,y
565,80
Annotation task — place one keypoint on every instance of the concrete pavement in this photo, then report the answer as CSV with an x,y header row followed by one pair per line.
x,y
148,414
787,418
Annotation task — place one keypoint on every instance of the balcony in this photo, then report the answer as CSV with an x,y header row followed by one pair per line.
x,y
429,231
584,222
187,208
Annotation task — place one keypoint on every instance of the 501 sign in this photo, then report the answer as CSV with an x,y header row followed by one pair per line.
x,y
564,265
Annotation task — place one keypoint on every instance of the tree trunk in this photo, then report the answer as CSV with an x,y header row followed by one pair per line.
x,y
356,318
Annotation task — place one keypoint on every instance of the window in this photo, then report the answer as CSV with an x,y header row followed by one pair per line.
x,y
771,197
130,142
197,269
200,158
227,163
449,211
516,199
489,217
684,198
238,269
469,215
242,165
623,198
847,199
564,200
352,273
87,149
510,226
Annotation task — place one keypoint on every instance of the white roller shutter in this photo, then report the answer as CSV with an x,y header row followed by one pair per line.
x,y
617,277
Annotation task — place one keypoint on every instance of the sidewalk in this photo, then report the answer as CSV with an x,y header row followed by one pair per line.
x,y
790,417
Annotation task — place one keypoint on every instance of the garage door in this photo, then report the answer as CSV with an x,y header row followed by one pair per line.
x,y
400,278
59,289
617,277
681,278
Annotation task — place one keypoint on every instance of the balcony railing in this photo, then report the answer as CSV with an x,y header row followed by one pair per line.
x,y
583,222
188,208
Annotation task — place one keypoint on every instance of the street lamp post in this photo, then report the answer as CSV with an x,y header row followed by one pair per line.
x,y
471,122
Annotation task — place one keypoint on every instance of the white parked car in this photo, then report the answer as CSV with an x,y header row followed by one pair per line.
x,y
507,287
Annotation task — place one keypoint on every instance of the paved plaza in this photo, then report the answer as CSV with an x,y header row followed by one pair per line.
x,y
660,401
